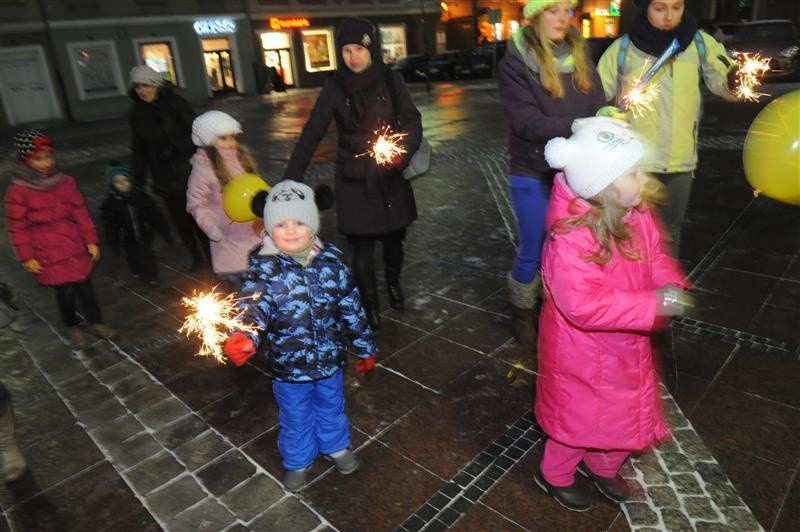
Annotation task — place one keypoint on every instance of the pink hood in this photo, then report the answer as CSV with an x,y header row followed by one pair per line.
x,y
598,387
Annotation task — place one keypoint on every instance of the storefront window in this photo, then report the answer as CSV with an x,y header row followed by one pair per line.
x,y
318,50
219,64
96,69
159,57
393,42
278,55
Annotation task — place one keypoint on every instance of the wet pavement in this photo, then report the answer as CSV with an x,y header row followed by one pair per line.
x,y
141,435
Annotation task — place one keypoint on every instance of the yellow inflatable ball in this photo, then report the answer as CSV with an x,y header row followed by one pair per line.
x,y
772,150
238,195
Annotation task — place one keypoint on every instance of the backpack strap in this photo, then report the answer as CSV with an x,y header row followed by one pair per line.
x,y
701,46
622,53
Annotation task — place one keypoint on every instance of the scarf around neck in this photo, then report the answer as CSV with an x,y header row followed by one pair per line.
x,y
654,41
28,177
357,86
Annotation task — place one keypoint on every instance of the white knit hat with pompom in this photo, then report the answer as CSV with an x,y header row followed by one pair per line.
x,y
600,150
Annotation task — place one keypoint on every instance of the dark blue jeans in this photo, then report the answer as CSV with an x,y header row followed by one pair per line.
x,y
530,197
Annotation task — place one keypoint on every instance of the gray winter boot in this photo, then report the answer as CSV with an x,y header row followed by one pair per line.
x,y
524,300
12,463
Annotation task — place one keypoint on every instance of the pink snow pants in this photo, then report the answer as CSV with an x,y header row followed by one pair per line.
x,y
559,462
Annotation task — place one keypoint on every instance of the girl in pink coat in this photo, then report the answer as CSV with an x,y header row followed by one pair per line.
x,y
219,158
52,234
607,282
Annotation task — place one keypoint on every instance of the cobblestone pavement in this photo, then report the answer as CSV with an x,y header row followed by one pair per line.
x,y
141,435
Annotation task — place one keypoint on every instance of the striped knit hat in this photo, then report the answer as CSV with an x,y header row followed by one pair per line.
x,y
31,142
537,6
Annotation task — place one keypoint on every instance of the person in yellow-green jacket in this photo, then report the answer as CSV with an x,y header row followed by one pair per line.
x,y
671,125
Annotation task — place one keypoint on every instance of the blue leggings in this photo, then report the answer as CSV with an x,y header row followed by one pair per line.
x,y
312,420
529,196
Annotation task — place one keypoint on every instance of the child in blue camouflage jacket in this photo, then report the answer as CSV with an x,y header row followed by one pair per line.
x,y
301,297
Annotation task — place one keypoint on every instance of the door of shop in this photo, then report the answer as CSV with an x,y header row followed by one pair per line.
x,y
220,71
219,65
281,61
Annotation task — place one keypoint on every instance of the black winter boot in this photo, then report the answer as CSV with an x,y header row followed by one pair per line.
x,y
524,300
12,463
371,307
397,300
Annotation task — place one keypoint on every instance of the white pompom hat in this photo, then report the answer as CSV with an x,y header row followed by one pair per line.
x,y
213,124
600,150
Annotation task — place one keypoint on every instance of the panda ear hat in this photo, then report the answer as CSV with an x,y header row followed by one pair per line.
x,y
599,150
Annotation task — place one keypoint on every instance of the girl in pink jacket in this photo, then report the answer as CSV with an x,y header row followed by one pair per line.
x,y
219,158
607,282
52,233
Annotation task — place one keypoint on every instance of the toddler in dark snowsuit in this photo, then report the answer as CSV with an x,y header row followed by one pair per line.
x,y
131,218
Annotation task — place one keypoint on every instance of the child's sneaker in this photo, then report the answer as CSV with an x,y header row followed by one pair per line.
x,y
614,488
573,497
344,460
77,338
294,481
103,331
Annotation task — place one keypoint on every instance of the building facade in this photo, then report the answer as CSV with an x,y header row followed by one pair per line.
x,y
69,59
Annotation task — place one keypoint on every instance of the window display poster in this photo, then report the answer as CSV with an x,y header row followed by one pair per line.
x,y
318,50
95,64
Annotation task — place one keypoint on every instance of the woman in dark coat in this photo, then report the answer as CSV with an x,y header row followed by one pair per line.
x,y
373,203
161,143
546,80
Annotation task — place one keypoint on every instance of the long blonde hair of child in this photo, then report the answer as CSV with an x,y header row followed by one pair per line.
x,y
534,35
606,219
221,170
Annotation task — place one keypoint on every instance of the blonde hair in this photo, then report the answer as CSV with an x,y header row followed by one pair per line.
x,y
582,79
221,170
606,220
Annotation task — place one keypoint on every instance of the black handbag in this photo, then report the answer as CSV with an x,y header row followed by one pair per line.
x,y
420,162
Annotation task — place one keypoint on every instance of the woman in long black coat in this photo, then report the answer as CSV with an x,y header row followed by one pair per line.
x,y
373,203
161,144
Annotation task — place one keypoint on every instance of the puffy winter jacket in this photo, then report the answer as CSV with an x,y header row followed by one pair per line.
x,y
672,126
304,314
231,242
533,116
53,226
597,384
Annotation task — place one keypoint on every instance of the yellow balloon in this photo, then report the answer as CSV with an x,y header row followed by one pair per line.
x,y
772,150
238,194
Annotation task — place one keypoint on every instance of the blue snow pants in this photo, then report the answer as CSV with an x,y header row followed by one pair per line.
x,y
530,197
312,420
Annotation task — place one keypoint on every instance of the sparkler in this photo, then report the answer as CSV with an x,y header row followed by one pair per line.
x,y
642,94
750,68
212,318
640,98
386,147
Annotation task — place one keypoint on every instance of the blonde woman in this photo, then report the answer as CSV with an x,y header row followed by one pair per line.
x,y
546,81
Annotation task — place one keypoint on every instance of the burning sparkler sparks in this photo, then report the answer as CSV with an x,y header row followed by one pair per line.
x,y
212,318
750,68
386,147
640,98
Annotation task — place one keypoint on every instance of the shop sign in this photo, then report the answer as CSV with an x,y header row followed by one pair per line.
x,y
276,23
213,26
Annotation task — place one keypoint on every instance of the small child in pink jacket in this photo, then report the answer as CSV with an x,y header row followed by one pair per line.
x,y
608,284
219,158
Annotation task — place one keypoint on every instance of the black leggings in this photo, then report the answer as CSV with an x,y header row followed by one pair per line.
x,y
190,234
363,257
67,297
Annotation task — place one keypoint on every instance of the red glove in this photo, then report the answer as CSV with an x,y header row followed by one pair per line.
x,y
239,347
366,365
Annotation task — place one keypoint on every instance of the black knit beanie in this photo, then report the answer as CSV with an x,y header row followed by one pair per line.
x,y
357,30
